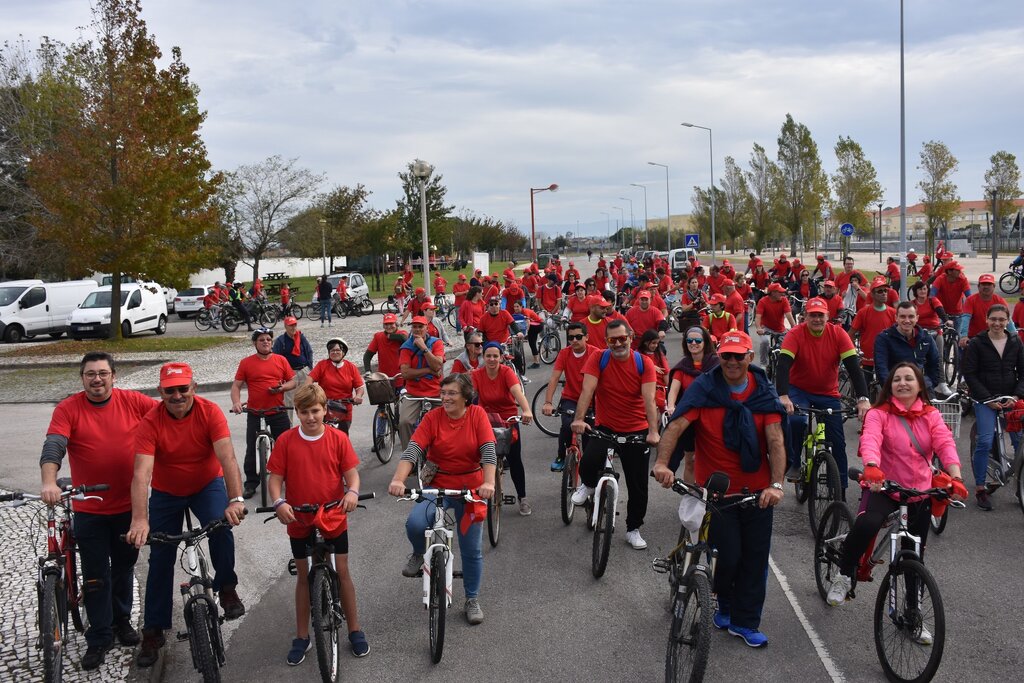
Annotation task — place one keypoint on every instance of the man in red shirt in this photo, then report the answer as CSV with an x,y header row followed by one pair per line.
x,y
823,268
184,453
622,382
727,270
951,288
440,284
783,268
666,285
459,289
415,306
870,321
495,324
550,294
267,376
421,361
735,304
975,317
571,270
715,280
95,428
892,273
752,263
842,280
772,313
645,317
569,364
386,344
342,289
830,295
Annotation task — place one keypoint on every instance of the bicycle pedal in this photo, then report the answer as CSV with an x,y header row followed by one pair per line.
x,y
292,569
181,636
457,574
661,565
508,500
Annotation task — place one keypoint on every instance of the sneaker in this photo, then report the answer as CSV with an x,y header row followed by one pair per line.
x,y
414,567
152,640
579,497
360,648
750,636
474,614
231,603
248,492
557,465
721,620
533,366
126,633
524,508
94,656
794,473
297,655
922,638
634,539
839,589
983,500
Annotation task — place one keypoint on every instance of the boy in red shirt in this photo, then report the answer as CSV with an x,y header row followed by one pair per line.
x,y
319,466
570,362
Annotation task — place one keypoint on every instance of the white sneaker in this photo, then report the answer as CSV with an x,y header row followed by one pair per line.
x,y
924,637
838,590
634,539
579,497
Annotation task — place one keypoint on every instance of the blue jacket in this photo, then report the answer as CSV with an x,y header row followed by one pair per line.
x,y
891,347
284,345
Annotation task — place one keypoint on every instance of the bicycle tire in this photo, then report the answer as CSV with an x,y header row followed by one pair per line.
x,y
73,582
365,306
549,425
824,488
801,487
950,361
438,605
267,318
675,571
203,656
52,628
389,307
835,522
295,311
326,624
689,637
603,534
383,435
494,506
452,316
230,321
312,310
203,320
342,309
550,345
899,629
1009,283
570,480
263,448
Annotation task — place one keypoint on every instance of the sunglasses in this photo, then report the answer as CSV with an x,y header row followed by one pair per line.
x,y
474,344
171,391
618,341
695,340
732,356
574,337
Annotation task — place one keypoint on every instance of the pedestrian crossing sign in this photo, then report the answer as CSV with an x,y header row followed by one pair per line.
x,y
693,241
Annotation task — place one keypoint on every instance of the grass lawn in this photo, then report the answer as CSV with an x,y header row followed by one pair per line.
x,y
306,285
130,345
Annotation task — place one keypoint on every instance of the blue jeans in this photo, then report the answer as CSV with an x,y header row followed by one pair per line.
x,y
985,418
833,429
743,537
166,513
106,567
325,310
470,544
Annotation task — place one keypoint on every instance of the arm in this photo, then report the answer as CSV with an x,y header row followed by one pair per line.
x,y
673,395
367,359
785,362
138,532
409,373
524,405
54,449
791,319
549,393
236,396
434,363
669,439
579,425
225,453
648,390
351,497
285,515
777,462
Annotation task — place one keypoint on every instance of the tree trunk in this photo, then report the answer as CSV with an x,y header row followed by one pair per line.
x,y
255,268
115,304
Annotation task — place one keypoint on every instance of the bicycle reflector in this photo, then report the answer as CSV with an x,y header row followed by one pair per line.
x,y
717,485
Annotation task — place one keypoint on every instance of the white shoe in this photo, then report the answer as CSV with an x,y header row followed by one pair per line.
x,y
924,637
634,539
579,497
838,590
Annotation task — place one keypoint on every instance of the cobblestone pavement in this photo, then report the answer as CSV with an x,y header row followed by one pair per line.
x,y
22,539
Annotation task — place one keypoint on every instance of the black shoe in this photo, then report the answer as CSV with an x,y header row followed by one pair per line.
x,y
94,656
152,640
126,633
794,473
983,501
248,492
231,603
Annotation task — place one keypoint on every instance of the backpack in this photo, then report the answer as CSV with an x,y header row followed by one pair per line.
x,y
606,356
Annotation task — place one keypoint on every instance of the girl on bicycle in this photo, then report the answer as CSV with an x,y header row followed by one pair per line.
x,y
459,441
529,322
901,432
340,379
698,357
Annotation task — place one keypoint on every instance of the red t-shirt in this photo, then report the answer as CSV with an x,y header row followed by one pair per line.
x,y
893,272
407,276
458,366
427,385
619,401
387,353
469,313
640,321
714,456
925,271
496,394
416,305
666,284
773,313
260,376
101,447
737,305
761,278
870,323
184,461
572,368
495,327
454,445
783,269
578,308
715,283
834,303
843,279
314,472
530,283
926,315
717,325
661,395
337,383
459,289
977,308
549,297
440,285
816,359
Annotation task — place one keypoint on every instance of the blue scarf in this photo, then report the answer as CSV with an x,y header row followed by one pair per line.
x,y
418,352
710,390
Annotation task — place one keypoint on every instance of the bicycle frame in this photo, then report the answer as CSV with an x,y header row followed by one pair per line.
x,y
439,540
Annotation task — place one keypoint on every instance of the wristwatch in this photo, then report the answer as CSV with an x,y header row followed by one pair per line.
x,y
863,398
777,485
237,499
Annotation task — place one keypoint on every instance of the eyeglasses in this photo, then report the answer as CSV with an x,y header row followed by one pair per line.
x,y
171,391
451,394
93,374
474,343
618,341
574,337
732,356
695,340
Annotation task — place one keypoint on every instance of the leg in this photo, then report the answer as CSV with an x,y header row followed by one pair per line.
x,y
797,426
251,476
724,535
635,461
762,347
750,581
347,592
408,412
302,598
209,504
279,424
565,434
420,518
471,546
94,546
834,435
986,425
166,513
122,568
592,462
875,507
515,464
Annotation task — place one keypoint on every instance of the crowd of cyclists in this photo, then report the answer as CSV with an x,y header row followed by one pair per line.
x,y
716,410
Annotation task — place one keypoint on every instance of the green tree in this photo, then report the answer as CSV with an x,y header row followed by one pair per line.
x,y
733,215
856,187
1004,178
804,185
701,214
763,184
409,227
123,183
939,193
344,213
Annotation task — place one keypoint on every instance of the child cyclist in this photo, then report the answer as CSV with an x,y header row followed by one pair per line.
x,y
316,464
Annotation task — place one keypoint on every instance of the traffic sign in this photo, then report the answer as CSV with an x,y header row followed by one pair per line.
x,y
693,240
846,229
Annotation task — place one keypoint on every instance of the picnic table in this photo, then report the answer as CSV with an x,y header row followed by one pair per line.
x,y
275,289
276,277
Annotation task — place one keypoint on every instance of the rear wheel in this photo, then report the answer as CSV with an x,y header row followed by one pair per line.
x,y
824,488
689,639
951,361
570,480
383,435
801,486
836,523
550,345
230,320
203,656
326,624
74,587
126,329
52,628
1009,283
908,605
438,605
365,306
494,506
161,326
550,425
204,320
603,533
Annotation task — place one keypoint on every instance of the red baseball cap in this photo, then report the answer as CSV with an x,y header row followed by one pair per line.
x,y
953,265
291,320
426,305
816,305
644,294
419,320
820,257
987,278
462,276
776,287
782,256
879,281
829,283
596,300
728,282
175,375
390,318
735,342
420,290
716,299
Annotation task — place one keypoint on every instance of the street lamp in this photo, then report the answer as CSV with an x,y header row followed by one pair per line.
x,y
668,211
608,229
647,227
879,230
632,225
553,187
323,240
711,147
622,234
422,171
903,160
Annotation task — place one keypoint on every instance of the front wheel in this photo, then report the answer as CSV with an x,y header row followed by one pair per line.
x,y
570,480
295,311
836,523
1009,283
326,623
383,435
603,533
203,656
52,628
204,320
365,306
230,321
73,579
824,487
550,345
689,638
549,425
263,448
951,361
908,610
438,605
494,506
161,326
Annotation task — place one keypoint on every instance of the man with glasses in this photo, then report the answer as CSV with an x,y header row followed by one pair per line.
x,y
975,317
95,428
569,363
871,321
808,376
623,390
184,452
421,361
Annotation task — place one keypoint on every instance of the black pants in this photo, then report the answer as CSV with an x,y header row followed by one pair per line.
x,y
107,564
565,433
877,507
635,460
532,336
243,313
743,537
279,424
514,458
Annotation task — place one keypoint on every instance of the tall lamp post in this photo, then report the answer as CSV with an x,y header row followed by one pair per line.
x,y
622,224
422,171
668,210
553,187
647,227
995,224
632,224
879,230
608,228
711,156
903,161
323,240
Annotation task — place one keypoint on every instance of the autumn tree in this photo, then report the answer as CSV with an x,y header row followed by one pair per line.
x,y
856,187
1004,178
409,226
344,214
939,193
803,184
763,185
733,205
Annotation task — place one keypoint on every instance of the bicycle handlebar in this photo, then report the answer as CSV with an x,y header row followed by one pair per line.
x,y
846,413
889,486
605,435
72,492
187,537
265,412
465,494
1000,399
311,508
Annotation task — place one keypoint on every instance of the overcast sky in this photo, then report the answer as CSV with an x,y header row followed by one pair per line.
x,y
504,96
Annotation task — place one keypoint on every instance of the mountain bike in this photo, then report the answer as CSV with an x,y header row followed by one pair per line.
x,y
264,443
502,444
551,339
950,351
58,583
774,349
819,483
571,470
380,390
1005,461
1009,282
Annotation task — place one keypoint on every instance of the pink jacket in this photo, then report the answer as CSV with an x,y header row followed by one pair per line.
x,y
885,441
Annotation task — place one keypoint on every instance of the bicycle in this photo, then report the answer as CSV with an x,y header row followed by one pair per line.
x,y
264,443
381,392
551,340
908,604
59,583
552,425
774,349
819,483
438,561
950,351
502,444
1004,462
389,305
1009,282
691,580
209,317
513,357
571,469
326,611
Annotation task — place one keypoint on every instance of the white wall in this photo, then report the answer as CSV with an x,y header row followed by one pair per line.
x,y
294,267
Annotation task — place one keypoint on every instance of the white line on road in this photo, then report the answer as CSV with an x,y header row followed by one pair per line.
x,y
816,641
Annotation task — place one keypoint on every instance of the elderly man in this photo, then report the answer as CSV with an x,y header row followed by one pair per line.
x,y
95,428
421,360
294,348
183,450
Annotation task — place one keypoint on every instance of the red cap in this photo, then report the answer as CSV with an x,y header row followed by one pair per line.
x,y
290,320
820,257
782,256
776,287
419,290
175,375
987,278
728,282
879,281
725,262
829,283
390,318
716,299
596,300
462,276
644,294
426,304
735,342
816,305
953,265
419,320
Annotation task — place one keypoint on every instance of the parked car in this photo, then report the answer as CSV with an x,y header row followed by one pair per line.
x,y
143,307
357,285
190,301
31,307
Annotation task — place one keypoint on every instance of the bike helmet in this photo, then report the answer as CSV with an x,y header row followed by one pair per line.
x,y
340,341
260,331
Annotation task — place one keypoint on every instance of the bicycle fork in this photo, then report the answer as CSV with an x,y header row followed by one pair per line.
x,y
449,567
610,482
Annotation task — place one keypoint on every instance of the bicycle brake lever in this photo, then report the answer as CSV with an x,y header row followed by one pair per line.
x,y
81,496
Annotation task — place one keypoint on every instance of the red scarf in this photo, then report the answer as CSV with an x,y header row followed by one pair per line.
x,y
297,346
894,407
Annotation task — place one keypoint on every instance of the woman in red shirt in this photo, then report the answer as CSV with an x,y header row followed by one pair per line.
x,y
340,379
698,357
650,346
498,391
577,304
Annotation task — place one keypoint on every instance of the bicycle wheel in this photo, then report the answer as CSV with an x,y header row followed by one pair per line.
x,y
383,435
570,480
365,306
203,656
801,487
267,318
824,488
603,533
550,345
203,320
675,572
342,309
52,627
494,507
73,582
295,311
1009,283
1019,473
438,605
326,623
909,603
388,306
951,362
549,425
313,310
836,523
263,448
689,637
230,320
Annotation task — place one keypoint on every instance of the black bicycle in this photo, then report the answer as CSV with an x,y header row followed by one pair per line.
x,y
264,443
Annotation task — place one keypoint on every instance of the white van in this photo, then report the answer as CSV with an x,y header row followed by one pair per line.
x,y
142,308
677,258
31,307
169,292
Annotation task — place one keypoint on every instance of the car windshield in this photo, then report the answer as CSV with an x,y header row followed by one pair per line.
x,y
193,291
8,295
101,300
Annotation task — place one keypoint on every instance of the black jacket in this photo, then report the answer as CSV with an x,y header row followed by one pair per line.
x,y
987,373
891,347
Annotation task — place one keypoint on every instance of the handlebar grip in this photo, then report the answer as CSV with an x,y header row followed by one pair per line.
x,y
262,510
367,496
97,487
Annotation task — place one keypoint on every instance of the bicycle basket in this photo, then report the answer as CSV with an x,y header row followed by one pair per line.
x,y
951,416
379,389
502,440
1015,418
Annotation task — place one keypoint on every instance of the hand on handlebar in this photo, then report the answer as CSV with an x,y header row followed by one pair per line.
x,y
285,513
485,491
770,497
579,426
235,513
396,488
787,404
237,407
138,532
50,494
663,475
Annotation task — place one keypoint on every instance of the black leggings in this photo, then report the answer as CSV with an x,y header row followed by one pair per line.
x,y
877,507
533,336
514,458
635,460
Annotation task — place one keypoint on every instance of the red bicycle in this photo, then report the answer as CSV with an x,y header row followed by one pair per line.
x,y
571,473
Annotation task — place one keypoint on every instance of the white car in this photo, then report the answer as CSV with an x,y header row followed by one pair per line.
x,y
357,285
190,301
